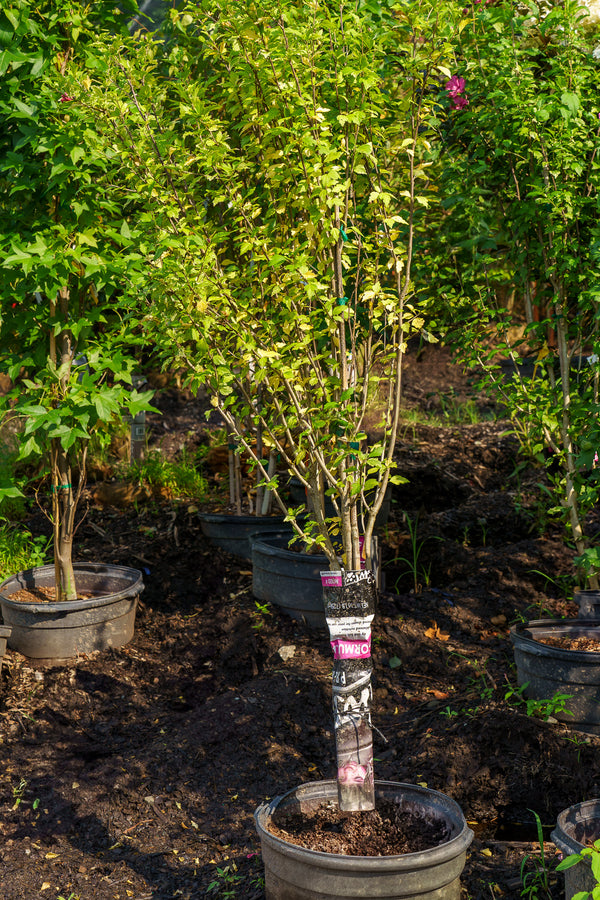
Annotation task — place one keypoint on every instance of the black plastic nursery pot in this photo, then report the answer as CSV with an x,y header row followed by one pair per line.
x,y
575,827
61,630
589,604
232,533
548,670
296,873
4,635
289,579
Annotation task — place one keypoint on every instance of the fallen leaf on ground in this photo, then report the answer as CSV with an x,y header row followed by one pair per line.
x,y
436,632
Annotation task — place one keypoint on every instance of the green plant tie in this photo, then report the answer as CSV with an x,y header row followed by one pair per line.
x,y
343,234
342,301
61,487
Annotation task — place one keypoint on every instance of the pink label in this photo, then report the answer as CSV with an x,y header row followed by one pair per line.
x,y
345,649
331,579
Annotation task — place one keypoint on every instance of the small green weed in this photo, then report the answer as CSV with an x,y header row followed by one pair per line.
x,y
421,574
579,742
456,411
228,879
177,478
542,709
19,550
536,883
260,614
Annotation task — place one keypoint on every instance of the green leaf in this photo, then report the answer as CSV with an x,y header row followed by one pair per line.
x,y
568,862
571,101
76,154
23,107
105,407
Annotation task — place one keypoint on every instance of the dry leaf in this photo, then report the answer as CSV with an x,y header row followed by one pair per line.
x,y
436,633
46,886
440,695
498,620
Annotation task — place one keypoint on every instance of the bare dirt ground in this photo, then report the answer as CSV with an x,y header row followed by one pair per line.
x,y
135,773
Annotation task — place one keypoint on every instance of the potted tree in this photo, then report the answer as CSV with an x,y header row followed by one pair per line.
x,y
66,333
522,129
281,277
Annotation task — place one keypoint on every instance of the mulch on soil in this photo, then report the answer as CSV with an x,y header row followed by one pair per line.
x,y
135,773
384,831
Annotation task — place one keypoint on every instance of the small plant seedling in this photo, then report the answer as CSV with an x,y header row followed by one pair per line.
x,y
579,742
259,614
421,574
592,854
18,792
536,883
543,709
224,884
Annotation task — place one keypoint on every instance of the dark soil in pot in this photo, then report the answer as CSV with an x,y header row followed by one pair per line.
x,y
385,831
413,844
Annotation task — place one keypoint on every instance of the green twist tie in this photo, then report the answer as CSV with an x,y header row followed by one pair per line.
x,y
61,487
342,301
343,233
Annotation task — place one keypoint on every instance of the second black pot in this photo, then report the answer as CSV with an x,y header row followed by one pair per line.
x,y
549,670
289,579
232,533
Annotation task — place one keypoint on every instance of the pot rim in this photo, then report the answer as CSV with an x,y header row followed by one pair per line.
x,y
421,859
572,626
132,590
262,538
240,519
561,836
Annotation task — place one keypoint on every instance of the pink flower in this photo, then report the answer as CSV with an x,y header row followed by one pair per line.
x,y
455,85
64,98
459,102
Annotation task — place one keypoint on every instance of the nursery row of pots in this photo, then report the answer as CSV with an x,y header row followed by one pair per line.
x,y
51,631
